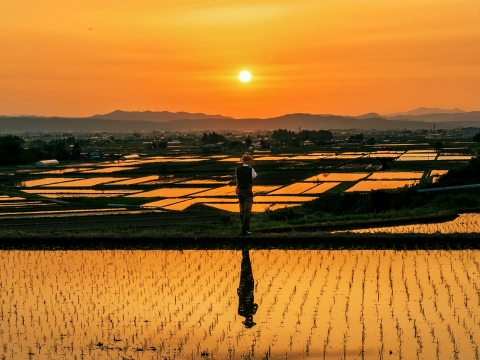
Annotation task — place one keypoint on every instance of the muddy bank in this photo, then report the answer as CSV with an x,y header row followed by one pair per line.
x,y
365,224
290,241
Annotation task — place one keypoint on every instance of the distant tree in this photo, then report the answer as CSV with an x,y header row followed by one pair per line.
x,y
248,141
356,138
163,169
213,138
12,151
438,145
60,152
317,137
162,144
294,142
76,151
70,140
371,141
37,143
235,144
476,138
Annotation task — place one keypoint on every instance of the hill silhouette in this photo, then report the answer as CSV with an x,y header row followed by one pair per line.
x,y
157,116
427,111
202,122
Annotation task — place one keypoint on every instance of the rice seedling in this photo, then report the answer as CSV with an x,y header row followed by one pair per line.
x,y
165,304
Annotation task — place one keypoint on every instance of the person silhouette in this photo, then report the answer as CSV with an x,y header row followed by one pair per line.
x,y
246,303
244,175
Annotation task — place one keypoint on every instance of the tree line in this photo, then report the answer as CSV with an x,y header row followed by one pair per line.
x,y
13,152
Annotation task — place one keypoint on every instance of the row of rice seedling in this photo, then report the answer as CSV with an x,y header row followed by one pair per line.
x,y
184,304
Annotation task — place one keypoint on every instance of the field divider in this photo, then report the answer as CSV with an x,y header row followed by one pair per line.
x,y
360,224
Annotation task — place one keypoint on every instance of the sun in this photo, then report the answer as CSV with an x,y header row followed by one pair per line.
x,y
245,76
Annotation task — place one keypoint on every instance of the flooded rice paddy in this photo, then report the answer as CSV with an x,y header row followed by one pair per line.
x,y
168,192
453,157
337,177
464,223
342,172
257,304
321,188
294,189
85,182
109,169
45,181
396,175
369,185
135,180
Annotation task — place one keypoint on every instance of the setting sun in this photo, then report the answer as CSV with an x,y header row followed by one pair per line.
x,y
245,76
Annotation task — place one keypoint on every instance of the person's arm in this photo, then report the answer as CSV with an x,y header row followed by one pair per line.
x,y
254,174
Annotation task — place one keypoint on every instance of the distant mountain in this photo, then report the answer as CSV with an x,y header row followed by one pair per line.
x,y
439,118
15,125
426,111
371,115
157,116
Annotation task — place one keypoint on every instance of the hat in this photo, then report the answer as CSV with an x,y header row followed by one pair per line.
x,y
246,157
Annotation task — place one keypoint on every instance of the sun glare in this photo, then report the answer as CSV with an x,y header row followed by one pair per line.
x,y
245,76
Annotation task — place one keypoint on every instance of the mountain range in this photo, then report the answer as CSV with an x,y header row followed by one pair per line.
x,y
147,121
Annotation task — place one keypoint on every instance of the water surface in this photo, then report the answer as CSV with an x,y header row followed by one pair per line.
x,y
260,304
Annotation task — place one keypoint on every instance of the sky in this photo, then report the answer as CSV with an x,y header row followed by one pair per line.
x,y
345,57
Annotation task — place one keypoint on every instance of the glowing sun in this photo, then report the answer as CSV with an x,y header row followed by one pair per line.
x,y
245,76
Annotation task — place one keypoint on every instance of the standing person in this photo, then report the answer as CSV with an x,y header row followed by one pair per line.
x,y
245,174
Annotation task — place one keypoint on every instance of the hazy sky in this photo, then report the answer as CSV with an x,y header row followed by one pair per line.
x,y
79,58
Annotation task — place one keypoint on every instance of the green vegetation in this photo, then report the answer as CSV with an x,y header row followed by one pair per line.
x,y
212,138
13,151
465,175
334,207
291,138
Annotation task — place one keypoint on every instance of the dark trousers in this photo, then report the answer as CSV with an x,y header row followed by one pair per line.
x,y
245,200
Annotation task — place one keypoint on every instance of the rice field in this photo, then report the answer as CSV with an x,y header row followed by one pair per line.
x,y
321,188
135,180
294,189
464,223
228,190
64,170
168,192
337,177
369,185
110,169
85,182
215,179
396,175
317,304
420,157
44,181
188,202
453,157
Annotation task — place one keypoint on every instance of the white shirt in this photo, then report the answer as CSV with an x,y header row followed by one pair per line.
x,y
254,174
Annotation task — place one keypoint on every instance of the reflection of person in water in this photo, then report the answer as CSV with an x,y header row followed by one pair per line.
x,y
246,306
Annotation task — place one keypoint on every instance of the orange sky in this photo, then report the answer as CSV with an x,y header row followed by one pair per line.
x,y
79,58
